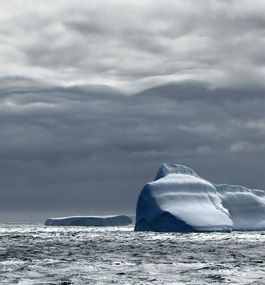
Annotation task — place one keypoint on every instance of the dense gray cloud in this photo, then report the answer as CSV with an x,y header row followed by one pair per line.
x,y
74,142
89,150
134,45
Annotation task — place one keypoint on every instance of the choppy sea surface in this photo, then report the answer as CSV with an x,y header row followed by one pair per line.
x,y
36,254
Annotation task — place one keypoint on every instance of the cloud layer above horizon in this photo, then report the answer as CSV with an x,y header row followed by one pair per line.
x,y
73,142
72,151
134,45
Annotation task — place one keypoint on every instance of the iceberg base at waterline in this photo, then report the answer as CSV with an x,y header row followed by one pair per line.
x,y
178,200
97,221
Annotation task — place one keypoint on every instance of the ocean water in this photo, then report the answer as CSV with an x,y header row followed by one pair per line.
x,y
36,254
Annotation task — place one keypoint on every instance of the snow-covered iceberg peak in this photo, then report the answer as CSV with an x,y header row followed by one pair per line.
x,y
170,168
179,200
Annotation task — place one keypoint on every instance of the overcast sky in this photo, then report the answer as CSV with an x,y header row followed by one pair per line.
x,y
96,95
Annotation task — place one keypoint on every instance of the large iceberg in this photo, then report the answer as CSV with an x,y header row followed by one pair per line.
x,y
120,220
181,201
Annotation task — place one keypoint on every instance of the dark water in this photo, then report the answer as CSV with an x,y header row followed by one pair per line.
x,y
35,254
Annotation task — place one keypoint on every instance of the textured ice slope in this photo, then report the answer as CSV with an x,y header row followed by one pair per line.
x,y
181,201
121,220
246,206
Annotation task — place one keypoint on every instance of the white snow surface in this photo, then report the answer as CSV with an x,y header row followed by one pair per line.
x,y
118,220
179,200
246,206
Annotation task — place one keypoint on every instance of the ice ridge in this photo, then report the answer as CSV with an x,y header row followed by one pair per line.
x,y
180,200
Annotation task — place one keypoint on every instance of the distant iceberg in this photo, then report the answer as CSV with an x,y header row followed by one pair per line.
x,y
120,220
181,201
